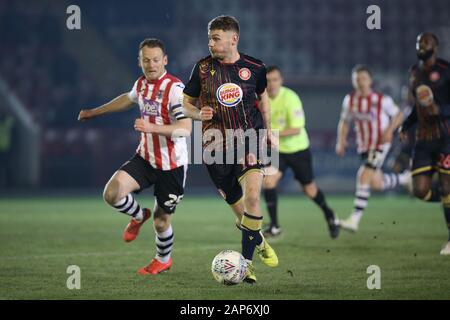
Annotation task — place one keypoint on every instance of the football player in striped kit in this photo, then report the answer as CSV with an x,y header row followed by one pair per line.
x,y
376,117
161,158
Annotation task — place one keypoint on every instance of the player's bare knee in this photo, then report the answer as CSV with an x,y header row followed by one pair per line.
x,y
271,182
252,201
310,190
111,192
421,192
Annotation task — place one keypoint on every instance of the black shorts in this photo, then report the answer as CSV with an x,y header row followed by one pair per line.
x,y
374,159
301,164
227,177
431,156
169,184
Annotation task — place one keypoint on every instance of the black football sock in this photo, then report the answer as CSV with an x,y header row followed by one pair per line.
x,y
251,236
271,197
319,199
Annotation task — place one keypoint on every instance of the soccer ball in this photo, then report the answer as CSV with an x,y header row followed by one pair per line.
x,y
229,267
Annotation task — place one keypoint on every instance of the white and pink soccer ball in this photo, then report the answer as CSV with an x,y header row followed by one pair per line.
x,y
229,267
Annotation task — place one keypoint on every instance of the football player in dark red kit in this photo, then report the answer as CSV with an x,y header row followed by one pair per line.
x,y
430,90
226,86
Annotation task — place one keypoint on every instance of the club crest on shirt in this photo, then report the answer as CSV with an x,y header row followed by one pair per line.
x,y
229,94
244,74
150,107
435,76
299,113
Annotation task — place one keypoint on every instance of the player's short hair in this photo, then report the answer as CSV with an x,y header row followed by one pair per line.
x,y
270,69
153,43
435,38
225,23
361,68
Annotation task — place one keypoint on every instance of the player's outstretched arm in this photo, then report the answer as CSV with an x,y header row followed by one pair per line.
x,y
181,128
120,103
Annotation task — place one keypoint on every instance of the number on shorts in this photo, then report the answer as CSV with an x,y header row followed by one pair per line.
x,y
174,200
444,161
375,157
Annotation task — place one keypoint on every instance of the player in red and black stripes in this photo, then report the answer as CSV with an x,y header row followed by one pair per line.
x,y
225,86
430,92
161,157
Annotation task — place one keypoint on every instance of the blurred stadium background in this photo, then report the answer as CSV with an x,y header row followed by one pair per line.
x,y
48,73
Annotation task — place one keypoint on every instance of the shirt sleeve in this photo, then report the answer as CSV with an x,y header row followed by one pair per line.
x,y
176,100
261,82
410,120
345,111
296,114
389,106
132,95
193,86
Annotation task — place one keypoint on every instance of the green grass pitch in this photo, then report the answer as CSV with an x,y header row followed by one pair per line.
x,y
41,237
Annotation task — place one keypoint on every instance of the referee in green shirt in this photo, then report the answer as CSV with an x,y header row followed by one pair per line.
x,y
288,117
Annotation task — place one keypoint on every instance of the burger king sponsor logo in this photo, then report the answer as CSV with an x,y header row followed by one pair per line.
x,y
229,94
424,95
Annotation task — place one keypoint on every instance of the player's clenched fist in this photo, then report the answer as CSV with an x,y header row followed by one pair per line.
x,y
206,113
143,126
340,149
85,115
273,139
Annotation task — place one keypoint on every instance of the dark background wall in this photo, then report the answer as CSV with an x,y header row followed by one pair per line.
x,y
55,72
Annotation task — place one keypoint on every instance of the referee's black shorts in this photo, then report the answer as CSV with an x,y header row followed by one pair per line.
x,y
301,164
